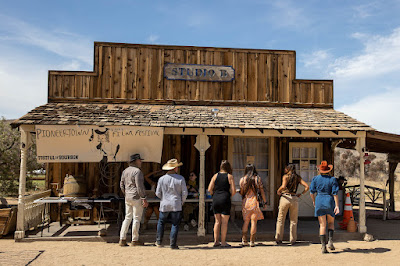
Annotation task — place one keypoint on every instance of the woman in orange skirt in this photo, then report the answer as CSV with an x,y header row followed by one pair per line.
x,y
249,185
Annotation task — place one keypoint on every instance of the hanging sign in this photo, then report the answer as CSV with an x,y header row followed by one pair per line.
x,y
199,72
71,143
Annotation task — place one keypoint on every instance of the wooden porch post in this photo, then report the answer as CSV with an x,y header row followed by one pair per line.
x,y
393,160
362,225
202,145
25,144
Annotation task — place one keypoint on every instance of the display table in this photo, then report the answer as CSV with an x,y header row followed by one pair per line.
x,y
80,200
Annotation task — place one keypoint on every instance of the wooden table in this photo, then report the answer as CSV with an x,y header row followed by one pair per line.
x,y
69,200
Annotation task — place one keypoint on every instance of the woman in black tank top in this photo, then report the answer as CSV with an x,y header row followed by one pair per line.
x,y
222,187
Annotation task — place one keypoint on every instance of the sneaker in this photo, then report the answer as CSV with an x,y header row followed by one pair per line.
x,y
193,222
122,243
186,227
137,243
174,247
159,245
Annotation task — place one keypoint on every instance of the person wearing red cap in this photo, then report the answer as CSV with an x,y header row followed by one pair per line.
x,y
323,191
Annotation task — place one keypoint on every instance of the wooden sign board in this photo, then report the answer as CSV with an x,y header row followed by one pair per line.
x,y
199,72
72,143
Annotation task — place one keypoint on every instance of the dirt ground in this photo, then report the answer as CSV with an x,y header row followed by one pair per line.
x,y
385,252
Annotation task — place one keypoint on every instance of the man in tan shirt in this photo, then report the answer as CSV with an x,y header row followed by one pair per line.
x,y
132,186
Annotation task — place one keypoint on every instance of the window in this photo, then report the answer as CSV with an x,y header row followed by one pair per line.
x,y
251,150
306,157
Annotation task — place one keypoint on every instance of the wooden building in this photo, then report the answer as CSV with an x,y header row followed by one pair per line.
x,y
244,105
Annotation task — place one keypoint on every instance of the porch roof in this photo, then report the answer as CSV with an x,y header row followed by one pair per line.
x,y
280,118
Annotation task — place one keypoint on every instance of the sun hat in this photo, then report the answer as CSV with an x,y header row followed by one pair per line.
x,y
324,168
171,164
135,156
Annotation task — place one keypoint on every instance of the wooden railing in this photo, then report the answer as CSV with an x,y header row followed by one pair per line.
x,y
374,197
34,211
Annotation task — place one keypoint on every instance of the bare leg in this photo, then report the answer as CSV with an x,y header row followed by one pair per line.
x,y
245,228
224,228
147,216
157,211
322,225
253,230
217,228
331,222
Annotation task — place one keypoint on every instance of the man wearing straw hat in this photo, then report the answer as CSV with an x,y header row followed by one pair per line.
x,y
132,186
172,191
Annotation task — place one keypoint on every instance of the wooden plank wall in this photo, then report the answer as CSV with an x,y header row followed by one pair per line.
x,y
129,73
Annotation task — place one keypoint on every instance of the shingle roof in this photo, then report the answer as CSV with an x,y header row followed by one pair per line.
x,y
191,116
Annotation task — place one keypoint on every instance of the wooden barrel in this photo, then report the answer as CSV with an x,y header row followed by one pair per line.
x,y
74,186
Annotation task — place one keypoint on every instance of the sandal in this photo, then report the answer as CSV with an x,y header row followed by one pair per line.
x,y
226,246
216,245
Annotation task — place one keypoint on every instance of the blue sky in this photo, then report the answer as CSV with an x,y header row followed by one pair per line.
x,y
355,43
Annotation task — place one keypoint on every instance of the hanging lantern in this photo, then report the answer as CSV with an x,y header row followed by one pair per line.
x,y
366,158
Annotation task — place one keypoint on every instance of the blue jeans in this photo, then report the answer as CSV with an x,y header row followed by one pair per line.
x,y
174,218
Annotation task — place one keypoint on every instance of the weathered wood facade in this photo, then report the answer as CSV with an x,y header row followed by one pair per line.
x,y
127,73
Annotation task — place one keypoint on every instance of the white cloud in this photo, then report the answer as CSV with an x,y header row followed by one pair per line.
x,y
60,42
379,111
153,38
317,59
380,56
286,14
24,72
23,85
365,10
366,84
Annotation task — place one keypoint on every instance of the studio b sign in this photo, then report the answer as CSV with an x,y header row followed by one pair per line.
x,y
199,72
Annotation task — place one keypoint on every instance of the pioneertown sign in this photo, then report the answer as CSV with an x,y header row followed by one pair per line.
x,y
199,72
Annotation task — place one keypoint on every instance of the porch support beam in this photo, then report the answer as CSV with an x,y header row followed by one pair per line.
x,y
362,224
393,160
25,144
255,132
202,144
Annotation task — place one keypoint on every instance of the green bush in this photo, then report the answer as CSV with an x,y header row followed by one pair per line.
x,y
10,158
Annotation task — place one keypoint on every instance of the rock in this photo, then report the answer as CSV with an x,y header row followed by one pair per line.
x,y
102,232
368,238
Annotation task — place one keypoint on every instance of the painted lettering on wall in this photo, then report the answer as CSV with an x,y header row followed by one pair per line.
x,y
199,72
72,143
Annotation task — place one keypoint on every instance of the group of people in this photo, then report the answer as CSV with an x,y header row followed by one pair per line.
x,y
173,191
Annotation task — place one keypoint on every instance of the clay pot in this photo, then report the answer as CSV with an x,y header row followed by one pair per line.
x,y
352,226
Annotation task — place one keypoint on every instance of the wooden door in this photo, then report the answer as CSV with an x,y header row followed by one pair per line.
x,y
306,156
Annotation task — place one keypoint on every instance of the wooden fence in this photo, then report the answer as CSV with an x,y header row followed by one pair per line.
x,y
34,211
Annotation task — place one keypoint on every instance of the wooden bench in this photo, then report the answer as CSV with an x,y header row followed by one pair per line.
x,y
373,196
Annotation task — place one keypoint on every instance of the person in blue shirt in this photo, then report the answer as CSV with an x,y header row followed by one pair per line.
x,y
323,191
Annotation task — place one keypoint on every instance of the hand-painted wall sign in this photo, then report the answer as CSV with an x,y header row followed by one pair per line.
x,y
72,143
199,72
